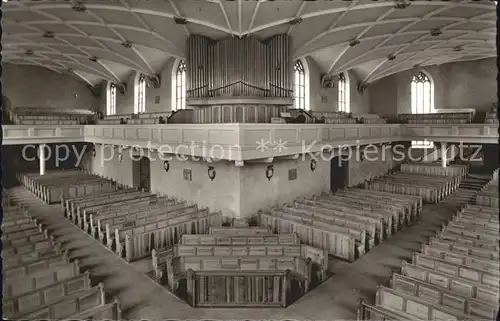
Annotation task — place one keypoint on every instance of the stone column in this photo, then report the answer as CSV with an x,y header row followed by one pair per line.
x,y
443,154
41,154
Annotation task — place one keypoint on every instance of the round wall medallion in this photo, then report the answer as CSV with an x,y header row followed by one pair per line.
x,y
211,172
313,164
269,172
166,166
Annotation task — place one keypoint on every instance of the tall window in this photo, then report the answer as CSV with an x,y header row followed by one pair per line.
x,y
299,91
141,95
111,106
180,83
344,99
422,101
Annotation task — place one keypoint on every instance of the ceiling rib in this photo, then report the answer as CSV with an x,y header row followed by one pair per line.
x,y
385,14
232,22
421,38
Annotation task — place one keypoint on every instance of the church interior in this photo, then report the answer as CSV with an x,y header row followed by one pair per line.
x,y
250,159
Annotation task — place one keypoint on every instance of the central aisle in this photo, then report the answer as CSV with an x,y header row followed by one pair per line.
x,y
141,298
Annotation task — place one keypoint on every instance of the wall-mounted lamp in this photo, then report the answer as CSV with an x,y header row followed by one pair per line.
x,y
211,173
313,165
269,172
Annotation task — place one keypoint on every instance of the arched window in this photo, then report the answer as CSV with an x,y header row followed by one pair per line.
x,y
422,101
111,99
180,86
111,104
344,95
299,90
141,95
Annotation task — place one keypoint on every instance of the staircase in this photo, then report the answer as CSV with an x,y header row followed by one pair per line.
x,y
467,191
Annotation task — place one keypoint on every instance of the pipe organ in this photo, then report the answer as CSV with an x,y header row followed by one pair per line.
x,y
226,77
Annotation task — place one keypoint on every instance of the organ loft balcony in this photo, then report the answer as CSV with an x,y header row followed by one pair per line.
x,y
246,141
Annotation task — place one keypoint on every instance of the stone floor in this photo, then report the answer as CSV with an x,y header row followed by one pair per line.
x,y
141,298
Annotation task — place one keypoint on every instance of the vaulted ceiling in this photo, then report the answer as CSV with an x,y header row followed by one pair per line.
x,y
96,39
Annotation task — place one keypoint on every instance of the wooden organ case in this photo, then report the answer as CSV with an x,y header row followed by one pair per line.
x,y
238,80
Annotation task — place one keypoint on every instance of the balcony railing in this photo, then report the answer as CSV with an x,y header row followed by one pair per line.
x,y
241,141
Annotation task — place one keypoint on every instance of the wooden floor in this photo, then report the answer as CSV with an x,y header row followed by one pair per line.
x,y
141,298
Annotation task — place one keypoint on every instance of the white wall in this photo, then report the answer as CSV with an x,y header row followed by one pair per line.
x,y
221,194
107,164
125,102
32,86
236,191
326,99
257,192
374,164
456,85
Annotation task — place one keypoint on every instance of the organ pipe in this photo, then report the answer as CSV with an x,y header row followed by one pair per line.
x,y
239,67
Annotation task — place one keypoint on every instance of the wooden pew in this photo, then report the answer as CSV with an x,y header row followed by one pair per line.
x,y
468,249
487,227
31,256
132,206
415,308
146,218
66,202
396,219
31,267
362,241
461,258
70,305
480,291
391,220
159,258
14,306
435,169
44,244
338,244
370,312
469,237
373,204
40,279
220,230
414,200
82,213
432,189
99,221
366,233
373,227
109,311
137,242
413,204
238,239
443,296
490,277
